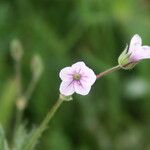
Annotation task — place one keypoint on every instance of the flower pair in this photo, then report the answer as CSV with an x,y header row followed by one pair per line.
x,y
79,78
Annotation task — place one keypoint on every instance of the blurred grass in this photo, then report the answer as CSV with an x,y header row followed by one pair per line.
x,y
7,102
66,31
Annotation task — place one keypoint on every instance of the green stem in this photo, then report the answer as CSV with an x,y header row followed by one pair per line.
x,y
108,71
30,89
18,78
36,135
26,97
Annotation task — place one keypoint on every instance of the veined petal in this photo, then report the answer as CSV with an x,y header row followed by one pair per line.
x,y
145,52
135,42
66,88
66,74
88,75
81,88
136,55
78,66
82,85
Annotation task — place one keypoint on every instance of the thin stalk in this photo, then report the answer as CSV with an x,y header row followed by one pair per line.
x,y
18,77
19,90
43,125
30,89
108,71
25,98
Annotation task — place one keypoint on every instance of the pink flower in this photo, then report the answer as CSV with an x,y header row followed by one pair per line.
x,y
137,51
77,78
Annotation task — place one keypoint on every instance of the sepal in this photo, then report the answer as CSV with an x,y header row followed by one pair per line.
x,y
124,60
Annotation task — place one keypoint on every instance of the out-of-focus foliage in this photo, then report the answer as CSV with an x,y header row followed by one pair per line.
x,y
21,137
116,113
3,142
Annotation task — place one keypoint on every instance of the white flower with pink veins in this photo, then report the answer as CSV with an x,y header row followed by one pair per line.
x,y
77,78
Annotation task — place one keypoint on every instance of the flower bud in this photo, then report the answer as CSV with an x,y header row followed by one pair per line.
x,y
124,60
16,49
36,66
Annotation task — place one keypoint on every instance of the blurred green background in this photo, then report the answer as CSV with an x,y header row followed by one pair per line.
x,y
116,113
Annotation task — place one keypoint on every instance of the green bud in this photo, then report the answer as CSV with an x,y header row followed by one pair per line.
x,y
16,49
37,66
124,60
65,98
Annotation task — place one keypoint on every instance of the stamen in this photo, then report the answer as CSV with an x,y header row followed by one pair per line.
x,y
76,76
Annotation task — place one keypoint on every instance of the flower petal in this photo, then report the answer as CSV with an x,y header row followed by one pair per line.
x,y
88,75
66,88
136,55
66,74
85,72
78,66
145,52
81,88
135,42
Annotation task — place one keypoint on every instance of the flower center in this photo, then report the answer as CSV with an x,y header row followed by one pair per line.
x,y
76,76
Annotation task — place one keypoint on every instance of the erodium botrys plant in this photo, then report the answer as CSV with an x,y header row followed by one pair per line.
x,y
79,78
